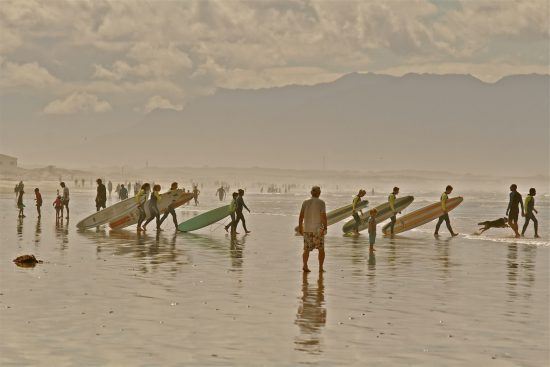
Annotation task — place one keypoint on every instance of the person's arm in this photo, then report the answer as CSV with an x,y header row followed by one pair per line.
x,y
509,205
521,203
301,222
444,203
244,205
392,203
324,222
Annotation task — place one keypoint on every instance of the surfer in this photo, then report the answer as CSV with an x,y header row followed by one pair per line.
x,y
153,208
372,228
20,204
356,201
171,209
221,193
232,210
38,199
196,193
123,192
110,187
512,212
391,201
239,210
312,224
141,198
529,209
101,196
445,216
65,198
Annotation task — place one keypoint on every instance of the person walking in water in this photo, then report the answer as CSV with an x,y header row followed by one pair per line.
x,y
232,210
312,224
391,201
239,210
512,212
38,199
529,209
110,187
355,211
58,205
372,228
101,196
123,192
221,193
141,198
171,209
196,193
154,212
445,216
65,198
20,204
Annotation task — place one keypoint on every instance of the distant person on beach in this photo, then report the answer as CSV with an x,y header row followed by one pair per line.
x,y
512,212
232,210
129,187
372,228
123,192
312,224
154,212
196,193
65,198
58,205
171,209
101,196
221,193
141,199
75,183
117,191
110,187
529,209
445,216
355,212
239,211
38,199
20,204
16,190
83,182
391,201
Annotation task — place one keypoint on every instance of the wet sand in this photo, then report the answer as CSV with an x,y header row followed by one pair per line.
x,y
115,298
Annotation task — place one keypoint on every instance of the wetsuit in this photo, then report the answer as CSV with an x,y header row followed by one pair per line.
x,y
529,215
513,206
393,218
356,201
232,209
123,193
445,216
239,212
170,210
141,198
101,197
154,209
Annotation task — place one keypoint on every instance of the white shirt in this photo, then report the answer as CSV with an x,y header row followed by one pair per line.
x,y
312,209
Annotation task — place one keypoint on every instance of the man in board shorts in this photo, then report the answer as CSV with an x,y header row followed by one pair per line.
x,y
312,224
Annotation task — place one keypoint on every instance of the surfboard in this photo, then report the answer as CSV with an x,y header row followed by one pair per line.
x,y
336,215
384,212
204,219
421,216
173,197
105,215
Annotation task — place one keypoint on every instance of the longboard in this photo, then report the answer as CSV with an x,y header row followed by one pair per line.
x,y
204,219
173,197
336,215
421,216
384,212
105,215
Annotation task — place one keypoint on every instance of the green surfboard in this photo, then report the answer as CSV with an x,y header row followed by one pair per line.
x,y
384,213
204,219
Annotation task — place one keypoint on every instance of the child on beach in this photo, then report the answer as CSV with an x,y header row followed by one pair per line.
x,y
58,205
20,204
38,199
372,228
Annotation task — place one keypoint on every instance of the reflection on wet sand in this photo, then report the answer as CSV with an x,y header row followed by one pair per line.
x,y
37,232
20,228
311,316
62,233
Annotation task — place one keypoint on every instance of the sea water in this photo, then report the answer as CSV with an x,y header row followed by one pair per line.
x,y
122,299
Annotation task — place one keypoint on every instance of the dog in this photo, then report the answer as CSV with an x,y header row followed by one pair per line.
x,y
499,223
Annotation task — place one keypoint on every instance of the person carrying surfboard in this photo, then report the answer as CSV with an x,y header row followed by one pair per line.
x,y
445,216
232,209
171,209
354,204
154,212
239,211
372,228
312,224
529,209
101,196
391,201
512,212
141,198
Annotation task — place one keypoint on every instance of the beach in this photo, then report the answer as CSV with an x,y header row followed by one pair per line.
x,y
121,299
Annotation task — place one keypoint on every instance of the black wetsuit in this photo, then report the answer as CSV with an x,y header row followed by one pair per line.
x,y
513,206
101,197
153,210
170,210
239,212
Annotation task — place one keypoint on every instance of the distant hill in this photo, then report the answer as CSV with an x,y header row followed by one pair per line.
x,y
360,122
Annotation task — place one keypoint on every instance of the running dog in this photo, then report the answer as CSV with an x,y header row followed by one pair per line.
x,y
499,223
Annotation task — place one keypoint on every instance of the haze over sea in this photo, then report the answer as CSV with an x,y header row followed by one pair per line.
x,y
115,298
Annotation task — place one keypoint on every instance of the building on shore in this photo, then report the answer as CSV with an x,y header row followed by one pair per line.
x,y
7,162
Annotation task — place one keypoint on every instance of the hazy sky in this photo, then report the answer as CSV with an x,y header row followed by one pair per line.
x,y
77,61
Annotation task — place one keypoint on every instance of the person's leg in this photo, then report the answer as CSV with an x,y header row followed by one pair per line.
x,y
526,224
392,225
305,257
141,218
357,222
448,224
157,217
321,259
230,224
439,221
372,240
67,206
244,223
164,216
174,217
536,223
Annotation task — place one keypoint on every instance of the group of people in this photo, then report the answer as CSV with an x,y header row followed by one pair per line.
x,y
236,212
61,202
528,211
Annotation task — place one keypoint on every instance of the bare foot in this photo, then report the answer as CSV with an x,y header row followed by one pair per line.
x,y
248,231
518,235
454,234
321,270
536,236
306,269
436,234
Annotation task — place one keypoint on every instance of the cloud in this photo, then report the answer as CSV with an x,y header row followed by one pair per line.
x,y
158,102
25,75
77,102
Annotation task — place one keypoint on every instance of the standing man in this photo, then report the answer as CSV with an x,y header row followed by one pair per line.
x,y
101,196
529,209
171,209
445,216
391,201
38,199
123,193
65,199
312,224
512,212
196,193
355,203
232,210
110,187
239,210
221,193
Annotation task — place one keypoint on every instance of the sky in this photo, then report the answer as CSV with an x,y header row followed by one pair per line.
x,y
78,65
